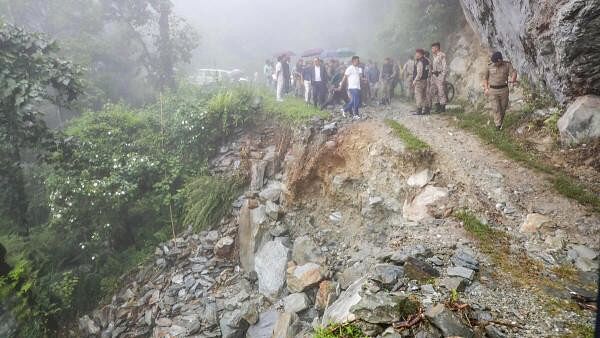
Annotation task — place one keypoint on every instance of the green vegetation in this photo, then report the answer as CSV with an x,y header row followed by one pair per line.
x,y
580,331
412,142
564,184
292,110
348,330
208,199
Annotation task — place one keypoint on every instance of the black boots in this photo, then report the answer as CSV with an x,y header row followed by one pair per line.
x,y
419,111
439,108
426,110
442,108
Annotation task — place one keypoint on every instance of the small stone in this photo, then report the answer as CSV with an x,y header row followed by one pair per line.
x,y
383,308
300,277
427,289
164,322
233,325
494,332
330,129
419,270
336,217
375,200
584,251
305,250
273,210
420,179
338,181
212,236
533,223
296,302
465,258
387,274
448,322
88,326
278,231
250,312
453,283
224,247
586,264
459,271
265,325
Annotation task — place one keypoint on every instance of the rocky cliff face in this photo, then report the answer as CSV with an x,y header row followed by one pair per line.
x,y
555,42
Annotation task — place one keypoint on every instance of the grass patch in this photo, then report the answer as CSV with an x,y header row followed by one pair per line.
x,y
208,199
292,109
412,142
339,331
580,331
565,185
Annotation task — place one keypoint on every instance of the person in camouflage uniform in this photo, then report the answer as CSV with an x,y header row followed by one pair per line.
x,y
439,71
498,76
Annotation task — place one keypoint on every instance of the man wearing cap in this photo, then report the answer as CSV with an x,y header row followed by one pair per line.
x,y
495,85
420,80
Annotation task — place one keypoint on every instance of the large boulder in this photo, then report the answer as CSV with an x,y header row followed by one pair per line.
x,y
417,209
339,311
270,264
551,41
581,121
252,233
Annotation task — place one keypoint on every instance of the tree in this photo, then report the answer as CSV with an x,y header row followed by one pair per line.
x,y
164,39
31,73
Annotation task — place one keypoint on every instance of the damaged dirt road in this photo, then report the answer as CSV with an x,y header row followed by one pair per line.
x,y
345,225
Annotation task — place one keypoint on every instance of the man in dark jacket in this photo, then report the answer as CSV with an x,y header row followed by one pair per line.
x,y
319,81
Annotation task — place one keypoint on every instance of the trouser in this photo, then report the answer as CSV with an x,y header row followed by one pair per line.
x,y
354,103
373,86
499,104
319,90
307,91
298,87
421,94
393,86
386,90
280,84
410,92
437,90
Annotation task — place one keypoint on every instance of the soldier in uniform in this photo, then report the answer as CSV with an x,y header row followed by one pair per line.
x,y
498,76
420,81
439,71
407,73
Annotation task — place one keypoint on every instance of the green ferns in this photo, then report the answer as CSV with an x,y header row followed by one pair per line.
x,y
208,199
339,331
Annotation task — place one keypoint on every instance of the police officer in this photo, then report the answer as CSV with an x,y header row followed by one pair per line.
x,y
407,73
495,85
439,70
420,81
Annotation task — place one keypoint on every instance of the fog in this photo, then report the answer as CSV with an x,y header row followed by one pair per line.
x,y
243,33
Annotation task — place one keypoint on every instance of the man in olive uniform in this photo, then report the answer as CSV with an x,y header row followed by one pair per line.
x,y
439,70
495,85
420,81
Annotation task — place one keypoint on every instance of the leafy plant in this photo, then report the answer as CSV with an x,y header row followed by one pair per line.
x,y
348,330
208,199
412,142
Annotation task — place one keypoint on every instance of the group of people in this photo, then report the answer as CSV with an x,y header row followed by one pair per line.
x,y
422,78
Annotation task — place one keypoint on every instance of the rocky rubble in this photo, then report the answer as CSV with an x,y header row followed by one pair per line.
x,y
281,270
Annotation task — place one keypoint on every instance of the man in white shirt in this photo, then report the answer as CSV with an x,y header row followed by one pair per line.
x,y
353,75
279,78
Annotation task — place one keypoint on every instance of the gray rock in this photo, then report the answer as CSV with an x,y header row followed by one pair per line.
x,y
285,326
272,210
88,326
383,308
586,264
339,311
265,325
330,129
387,274
270,266
335,217
417,209
272,192
420,179
278,231
447,322
418,269
548,54
305,250
257,174
581,121
233,325
224,247
459,271
252,233
249,312
338,181
453,283
584,251
494,332
465,258
296,302
351,274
